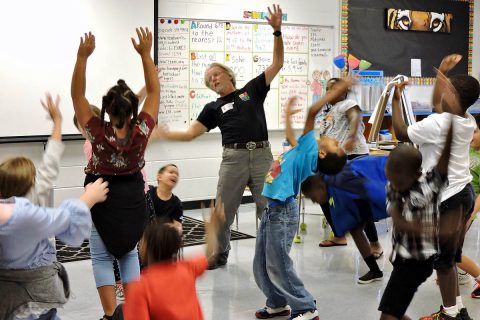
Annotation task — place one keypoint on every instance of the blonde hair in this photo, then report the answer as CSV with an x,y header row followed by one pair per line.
x,y
17,177
226,69
96,112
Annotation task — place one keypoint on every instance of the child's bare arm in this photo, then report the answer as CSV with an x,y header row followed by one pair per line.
x,y
289,112
442,165
340,88
80,102
354,116
399,125
448,63
152,84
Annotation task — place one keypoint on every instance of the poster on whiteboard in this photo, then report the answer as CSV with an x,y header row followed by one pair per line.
x,y
186,47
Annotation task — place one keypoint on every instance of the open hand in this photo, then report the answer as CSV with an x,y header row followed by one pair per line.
x,y
144,41
87,45
160,132
450,96
290,111
96,191
52,107
275,19
449,62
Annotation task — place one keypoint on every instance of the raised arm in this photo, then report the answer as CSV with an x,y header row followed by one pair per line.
x,y
77,90
340,88
399,125
152,85
289,112
354,116
275,20
442,165
142,93
47,171
55,115
447,64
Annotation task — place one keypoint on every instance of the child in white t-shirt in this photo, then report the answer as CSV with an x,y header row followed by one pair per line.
x,y
450,96
341,119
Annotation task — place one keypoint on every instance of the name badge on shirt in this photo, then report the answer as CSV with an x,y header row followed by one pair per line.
x,y
227,107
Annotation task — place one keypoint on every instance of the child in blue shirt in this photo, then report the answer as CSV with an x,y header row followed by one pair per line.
x,y
272,267
355,196
32,282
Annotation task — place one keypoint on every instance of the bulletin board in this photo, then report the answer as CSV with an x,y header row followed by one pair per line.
x,y
393,50
185,48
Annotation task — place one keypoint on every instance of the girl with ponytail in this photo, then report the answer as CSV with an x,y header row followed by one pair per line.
x,y
118,148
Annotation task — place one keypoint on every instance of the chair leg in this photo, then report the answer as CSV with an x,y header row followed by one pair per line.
x,y
298,238
236,220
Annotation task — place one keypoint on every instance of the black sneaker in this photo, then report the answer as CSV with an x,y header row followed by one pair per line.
x,y
370,276
270,313
464,314
218,261
222,259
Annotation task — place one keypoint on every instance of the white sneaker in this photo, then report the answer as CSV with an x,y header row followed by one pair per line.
x,y
309,315
463,277
119,292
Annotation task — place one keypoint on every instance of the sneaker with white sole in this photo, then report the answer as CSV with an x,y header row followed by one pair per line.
x,y
309,315
119,292
463,277
270,313
370,276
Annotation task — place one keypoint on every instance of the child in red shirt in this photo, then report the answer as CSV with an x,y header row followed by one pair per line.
x,y
150,297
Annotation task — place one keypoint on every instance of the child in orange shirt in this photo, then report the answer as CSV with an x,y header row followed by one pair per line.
x,y
150,297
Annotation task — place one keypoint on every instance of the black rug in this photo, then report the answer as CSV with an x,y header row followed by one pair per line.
x,y
193,234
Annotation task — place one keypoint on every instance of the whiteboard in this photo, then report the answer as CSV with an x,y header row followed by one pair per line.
x,y
185,48
41,40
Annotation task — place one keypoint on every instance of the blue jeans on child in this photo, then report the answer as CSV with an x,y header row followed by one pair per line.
x,y
102,262
272,267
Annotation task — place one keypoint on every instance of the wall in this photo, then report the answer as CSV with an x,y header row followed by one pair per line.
x,y
476,41
199,160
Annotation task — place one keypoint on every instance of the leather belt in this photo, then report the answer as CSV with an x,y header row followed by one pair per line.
x,y
251,145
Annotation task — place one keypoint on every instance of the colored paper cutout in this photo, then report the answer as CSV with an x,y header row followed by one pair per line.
x,y
353,61
364,65
339,61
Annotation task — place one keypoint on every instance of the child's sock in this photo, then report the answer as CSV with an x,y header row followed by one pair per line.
x,y
451,311
460,303
372,263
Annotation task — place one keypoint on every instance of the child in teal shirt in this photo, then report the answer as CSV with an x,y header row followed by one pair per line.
x,y
273,269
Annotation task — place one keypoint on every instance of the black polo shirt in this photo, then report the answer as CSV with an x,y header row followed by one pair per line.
x,y
239,115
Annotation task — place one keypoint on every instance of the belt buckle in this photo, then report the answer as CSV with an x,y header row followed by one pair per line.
x,y
251,145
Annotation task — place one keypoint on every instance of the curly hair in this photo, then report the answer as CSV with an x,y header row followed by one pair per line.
x,y
121,103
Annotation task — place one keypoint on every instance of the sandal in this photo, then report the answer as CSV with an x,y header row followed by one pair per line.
x,y
377,255
331,243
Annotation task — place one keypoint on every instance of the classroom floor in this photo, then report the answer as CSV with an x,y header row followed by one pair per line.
x,y
329,274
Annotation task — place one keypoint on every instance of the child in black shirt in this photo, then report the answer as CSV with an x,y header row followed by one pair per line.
x,y
162,203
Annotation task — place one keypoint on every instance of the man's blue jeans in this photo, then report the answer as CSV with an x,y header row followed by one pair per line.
x,y
272,266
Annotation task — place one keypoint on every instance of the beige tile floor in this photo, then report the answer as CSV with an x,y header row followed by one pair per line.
x,y
329,274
